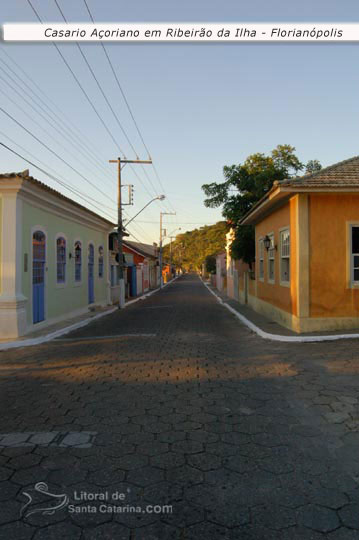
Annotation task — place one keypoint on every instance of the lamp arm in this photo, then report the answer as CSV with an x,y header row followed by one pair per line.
x,y
127,222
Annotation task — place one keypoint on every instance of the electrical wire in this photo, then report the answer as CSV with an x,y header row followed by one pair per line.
x,y
99,85
127,104
79,84
53,152
78,137
88,99
67,186
38,124
108,102
184,222
64,182
119,86
53,122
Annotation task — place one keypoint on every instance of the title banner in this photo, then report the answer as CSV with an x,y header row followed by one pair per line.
x,y
182,32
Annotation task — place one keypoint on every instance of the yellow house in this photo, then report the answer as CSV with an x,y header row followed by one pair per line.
x,y
307,250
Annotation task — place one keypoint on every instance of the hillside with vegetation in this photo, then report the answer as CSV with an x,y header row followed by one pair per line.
x,y
190,249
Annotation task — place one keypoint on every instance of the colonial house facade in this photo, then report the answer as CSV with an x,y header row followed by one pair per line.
x,y
53,256
307,250
141,271
221,272
239,274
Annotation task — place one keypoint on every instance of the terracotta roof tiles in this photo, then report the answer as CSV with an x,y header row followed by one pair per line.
x,y
342,174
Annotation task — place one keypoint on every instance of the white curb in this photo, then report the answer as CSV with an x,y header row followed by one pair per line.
x,y
63,331
277,337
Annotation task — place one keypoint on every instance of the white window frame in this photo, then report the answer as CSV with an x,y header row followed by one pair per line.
x,y
61,284
42,229
78,283
260,259
352,282
284,283
99,255
271,257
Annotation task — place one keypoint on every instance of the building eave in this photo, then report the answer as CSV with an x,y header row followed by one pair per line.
x,y
38,194
275,198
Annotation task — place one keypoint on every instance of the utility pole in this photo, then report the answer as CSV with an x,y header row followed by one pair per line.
x,y
121,163
172,238
161,231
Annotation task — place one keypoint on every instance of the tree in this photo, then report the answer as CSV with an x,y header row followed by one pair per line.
x,y
312,166
243,245
210,264
246,184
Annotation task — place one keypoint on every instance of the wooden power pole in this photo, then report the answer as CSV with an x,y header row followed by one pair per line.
x,y
161,241
121,163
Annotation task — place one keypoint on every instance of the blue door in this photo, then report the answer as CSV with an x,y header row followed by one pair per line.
x,y
91,261
38,276
133,282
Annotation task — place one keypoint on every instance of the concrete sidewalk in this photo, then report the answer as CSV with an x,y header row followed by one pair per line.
x,y
48,333
271,327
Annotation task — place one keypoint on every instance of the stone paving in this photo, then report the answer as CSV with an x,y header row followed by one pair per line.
x,y
204,432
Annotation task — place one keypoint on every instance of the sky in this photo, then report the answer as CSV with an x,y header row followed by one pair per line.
x,y
199,106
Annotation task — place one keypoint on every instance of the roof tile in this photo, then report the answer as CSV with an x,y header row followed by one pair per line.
x,y
344,173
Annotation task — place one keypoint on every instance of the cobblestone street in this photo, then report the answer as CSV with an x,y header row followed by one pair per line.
x,y
174,408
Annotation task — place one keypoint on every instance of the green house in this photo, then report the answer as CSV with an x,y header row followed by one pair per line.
x,y
53,256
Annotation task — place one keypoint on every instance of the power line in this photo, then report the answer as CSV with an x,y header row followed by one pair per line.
x,y
119,86
183,222
35,121
89,100
51,169
127,103
58,118
53,152
54,123
79,84
99,85
106,98
67,186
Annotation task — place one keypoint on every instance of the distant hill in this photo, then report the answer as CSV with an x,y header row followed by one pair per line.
x,y
190,249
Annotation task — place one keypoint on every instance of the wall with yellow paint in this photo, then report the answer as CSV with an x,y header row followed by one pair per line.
x,y
330,292
281,296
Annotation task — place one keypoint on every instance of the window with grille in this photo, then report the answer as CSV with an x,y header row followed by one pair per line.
x,y
285,256
355,254
100,262
261,259
271,252
61,260
78,261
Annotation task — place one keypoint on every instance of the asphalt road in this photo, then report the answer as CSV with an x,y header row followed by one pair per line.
x,y
171,420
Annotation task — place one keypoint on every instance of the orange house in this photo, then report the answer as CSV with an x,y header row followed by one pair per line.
x,y
307,250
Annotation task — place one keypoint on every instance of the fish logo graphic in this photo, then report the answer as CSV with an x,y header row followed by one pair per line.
x,y
43,507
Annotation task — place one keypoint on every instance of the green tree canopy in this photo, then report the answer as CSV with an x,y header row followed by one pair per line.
x,y
244,185
312,166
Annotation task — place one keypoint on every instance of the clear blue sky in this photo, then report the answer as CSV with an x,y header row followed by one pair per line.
x,y
199,106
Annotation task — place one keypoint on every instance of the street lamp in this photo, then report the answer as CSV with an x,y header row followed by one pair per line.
x,y
267,242
158,198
